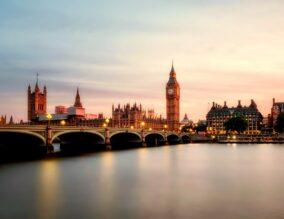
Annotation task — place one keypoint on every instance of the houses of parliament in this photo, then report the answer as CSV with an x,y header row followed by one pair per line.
x,y
126,116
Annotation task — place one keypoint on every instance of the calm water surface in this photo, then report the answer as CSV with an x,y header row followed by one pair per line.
x,y
184,181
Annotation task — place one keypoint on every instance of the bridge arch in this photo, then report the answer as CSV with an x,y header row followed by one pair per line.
x,y
154,139
80,141
21,144
8,134
76,131
173,138
127,132
125,139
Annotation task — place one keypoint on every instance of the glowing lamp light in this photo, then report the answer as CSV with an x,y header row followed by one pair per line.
x,y
150,129
132,127
62,122
165,126
49,116
142,124
104,125
107,121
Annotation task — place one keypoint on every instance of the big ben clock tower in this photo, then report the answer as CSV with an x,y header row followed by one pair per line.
x,y
173,97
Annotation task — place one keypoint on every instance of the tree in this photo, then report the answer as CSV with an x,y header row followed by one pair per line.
x,y
237,123
201,127
279,126
186,128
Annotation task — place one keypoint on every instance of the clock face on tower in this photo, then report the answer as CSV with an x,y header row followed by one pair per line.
x,y
171,91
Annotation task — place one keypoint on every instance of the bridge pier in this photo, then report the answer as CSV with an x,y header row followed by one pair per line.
x,y
107,140
166,138
48,145
143,138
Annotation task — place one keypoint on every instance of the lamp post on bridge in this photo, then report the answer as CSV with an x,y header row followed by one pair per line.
x,y
165,133
49,117
143,134
48,135
107,135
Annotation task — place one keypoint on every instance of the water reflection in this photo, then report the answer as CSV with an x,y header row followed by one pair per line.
x,y
186,181
48,189
106,185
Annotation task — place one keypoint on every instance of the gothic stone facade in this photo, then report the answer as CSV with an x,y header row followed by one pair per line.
x,y
277,108
218,115
134,116
173,100
36,102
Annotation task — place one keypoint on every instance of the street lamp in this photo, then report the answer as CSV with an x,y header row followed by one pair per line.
x,y
62,122
106,122
49,117
142,124
165,126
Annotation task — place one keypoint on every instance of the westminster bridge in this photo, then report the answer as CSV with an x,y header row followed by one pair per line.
x,y
82,136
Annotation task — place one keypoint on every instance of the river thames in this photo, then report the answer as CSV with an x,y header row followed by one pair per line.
x,y
185,181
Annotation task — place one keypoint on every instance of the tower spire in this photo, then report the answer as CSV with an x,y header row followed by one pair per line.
x,y
36,86
173,69
77,99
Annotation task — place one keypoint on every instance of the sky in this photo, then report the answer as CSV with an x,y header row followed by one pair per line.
x,y
122,51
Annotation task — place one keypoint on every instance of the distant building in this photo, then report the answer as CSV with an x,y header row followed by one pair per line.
x,y
277,108
218,115
36,102
135,117
60,109
3,120
71,115
186,122
90,116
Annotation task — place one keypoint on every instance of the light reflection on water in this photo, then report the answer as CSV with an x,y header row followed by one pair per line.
x,y
185,181
48,189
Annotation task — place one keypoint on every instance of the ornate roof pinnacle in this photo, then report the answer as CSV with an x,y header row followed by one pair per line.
x,y
77,99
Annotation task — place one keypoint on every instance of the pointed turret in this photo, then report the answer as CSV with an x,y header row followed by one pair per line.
x,y
77,100
37,86
11,122
172,78
173,73
253,104
239,104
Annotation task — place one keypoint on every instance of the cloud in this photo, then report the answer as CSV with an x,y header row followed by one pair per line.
x,y
121,52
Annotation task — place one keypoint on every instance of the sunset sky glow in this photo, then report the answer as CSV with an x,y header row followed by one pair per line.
x,y
121,51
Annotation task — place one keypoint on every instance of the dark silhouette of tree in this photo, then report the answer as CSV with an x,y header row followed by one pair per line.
x,y
186,128
279,126
201,127
237,123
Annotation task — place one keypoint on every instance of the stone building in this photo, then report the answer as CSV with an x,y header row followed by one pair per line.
x,y
186,122
218,115
173,101
3,120
134,116
277,108
71,115
36,102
